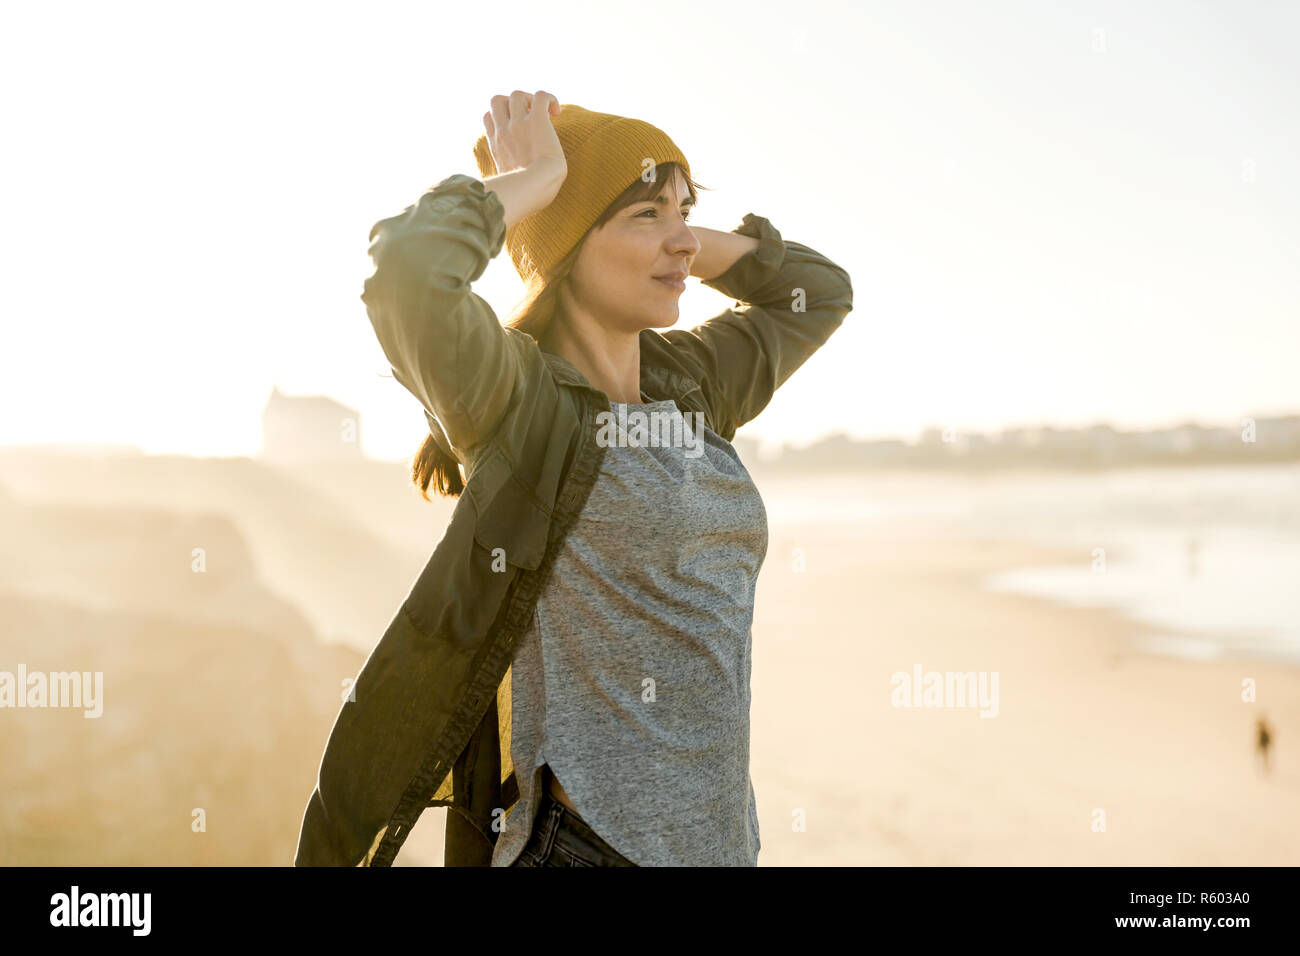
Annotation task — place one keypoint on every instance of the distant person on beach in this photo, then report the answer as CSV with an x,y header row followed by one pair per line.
x,y
1263,738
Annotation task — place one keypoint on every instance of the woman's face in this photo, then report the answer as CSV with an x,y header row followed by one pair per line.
x,y
614,276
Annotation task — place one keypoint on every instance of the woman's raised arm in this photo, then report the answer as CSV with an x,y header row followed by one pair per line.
x,y
790,299
445,344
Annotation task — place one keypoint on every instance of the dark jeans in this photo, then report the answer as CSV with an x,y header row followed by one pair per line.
x,y
562,838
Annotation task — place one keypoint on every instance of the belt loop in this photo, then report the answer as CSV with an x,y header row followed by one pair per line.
x,y
552,826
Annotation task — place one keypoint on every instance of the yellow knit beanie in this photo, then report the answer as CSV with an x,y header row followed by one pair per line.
x,y
605,154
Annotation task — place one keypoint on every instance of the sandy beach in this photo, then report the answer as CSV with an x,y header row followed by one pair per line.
x,y
1162,746
222,687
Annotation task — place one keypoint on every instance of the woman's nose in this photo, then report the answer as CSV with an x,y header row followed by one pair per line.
x,y
684,240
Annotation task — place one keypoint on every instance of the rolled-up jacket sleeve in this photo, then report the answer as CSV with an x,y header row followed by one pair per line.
x,y
444,342
789,300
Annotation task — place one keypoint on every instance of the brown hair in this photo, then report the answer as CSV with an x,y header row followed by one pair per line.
x,y
432,465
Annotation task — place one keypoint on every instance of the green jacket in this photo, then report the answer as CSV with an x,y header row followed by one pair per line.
x,y
428,721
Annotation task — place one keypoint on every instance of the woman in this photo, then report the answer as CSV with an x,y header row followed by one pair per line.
x,y
603,489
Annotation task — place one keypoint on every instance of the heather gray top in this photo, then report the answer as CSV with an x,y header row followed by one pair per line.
x,y
632,681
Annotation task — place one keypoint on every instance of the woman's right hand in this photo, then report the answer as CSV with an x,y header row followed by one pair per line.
x,y
529,158
520,134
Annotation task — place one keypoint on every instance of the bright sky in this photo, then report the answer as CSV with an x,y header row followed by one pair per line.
x,y
1052,213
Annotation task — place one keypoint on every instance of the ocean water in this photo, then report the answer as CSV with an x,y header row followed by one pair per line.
x,y
1208,557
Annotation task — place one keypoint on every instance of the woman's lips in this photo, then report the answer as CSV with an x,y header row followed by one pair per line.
x,y
678,284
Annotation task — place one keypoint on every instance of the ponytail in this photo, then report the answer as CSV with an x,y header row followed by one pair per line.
x,y
432,465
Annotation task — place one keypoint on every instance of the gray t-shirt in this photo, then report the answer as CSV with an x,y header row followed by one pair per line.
x,y
632,681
